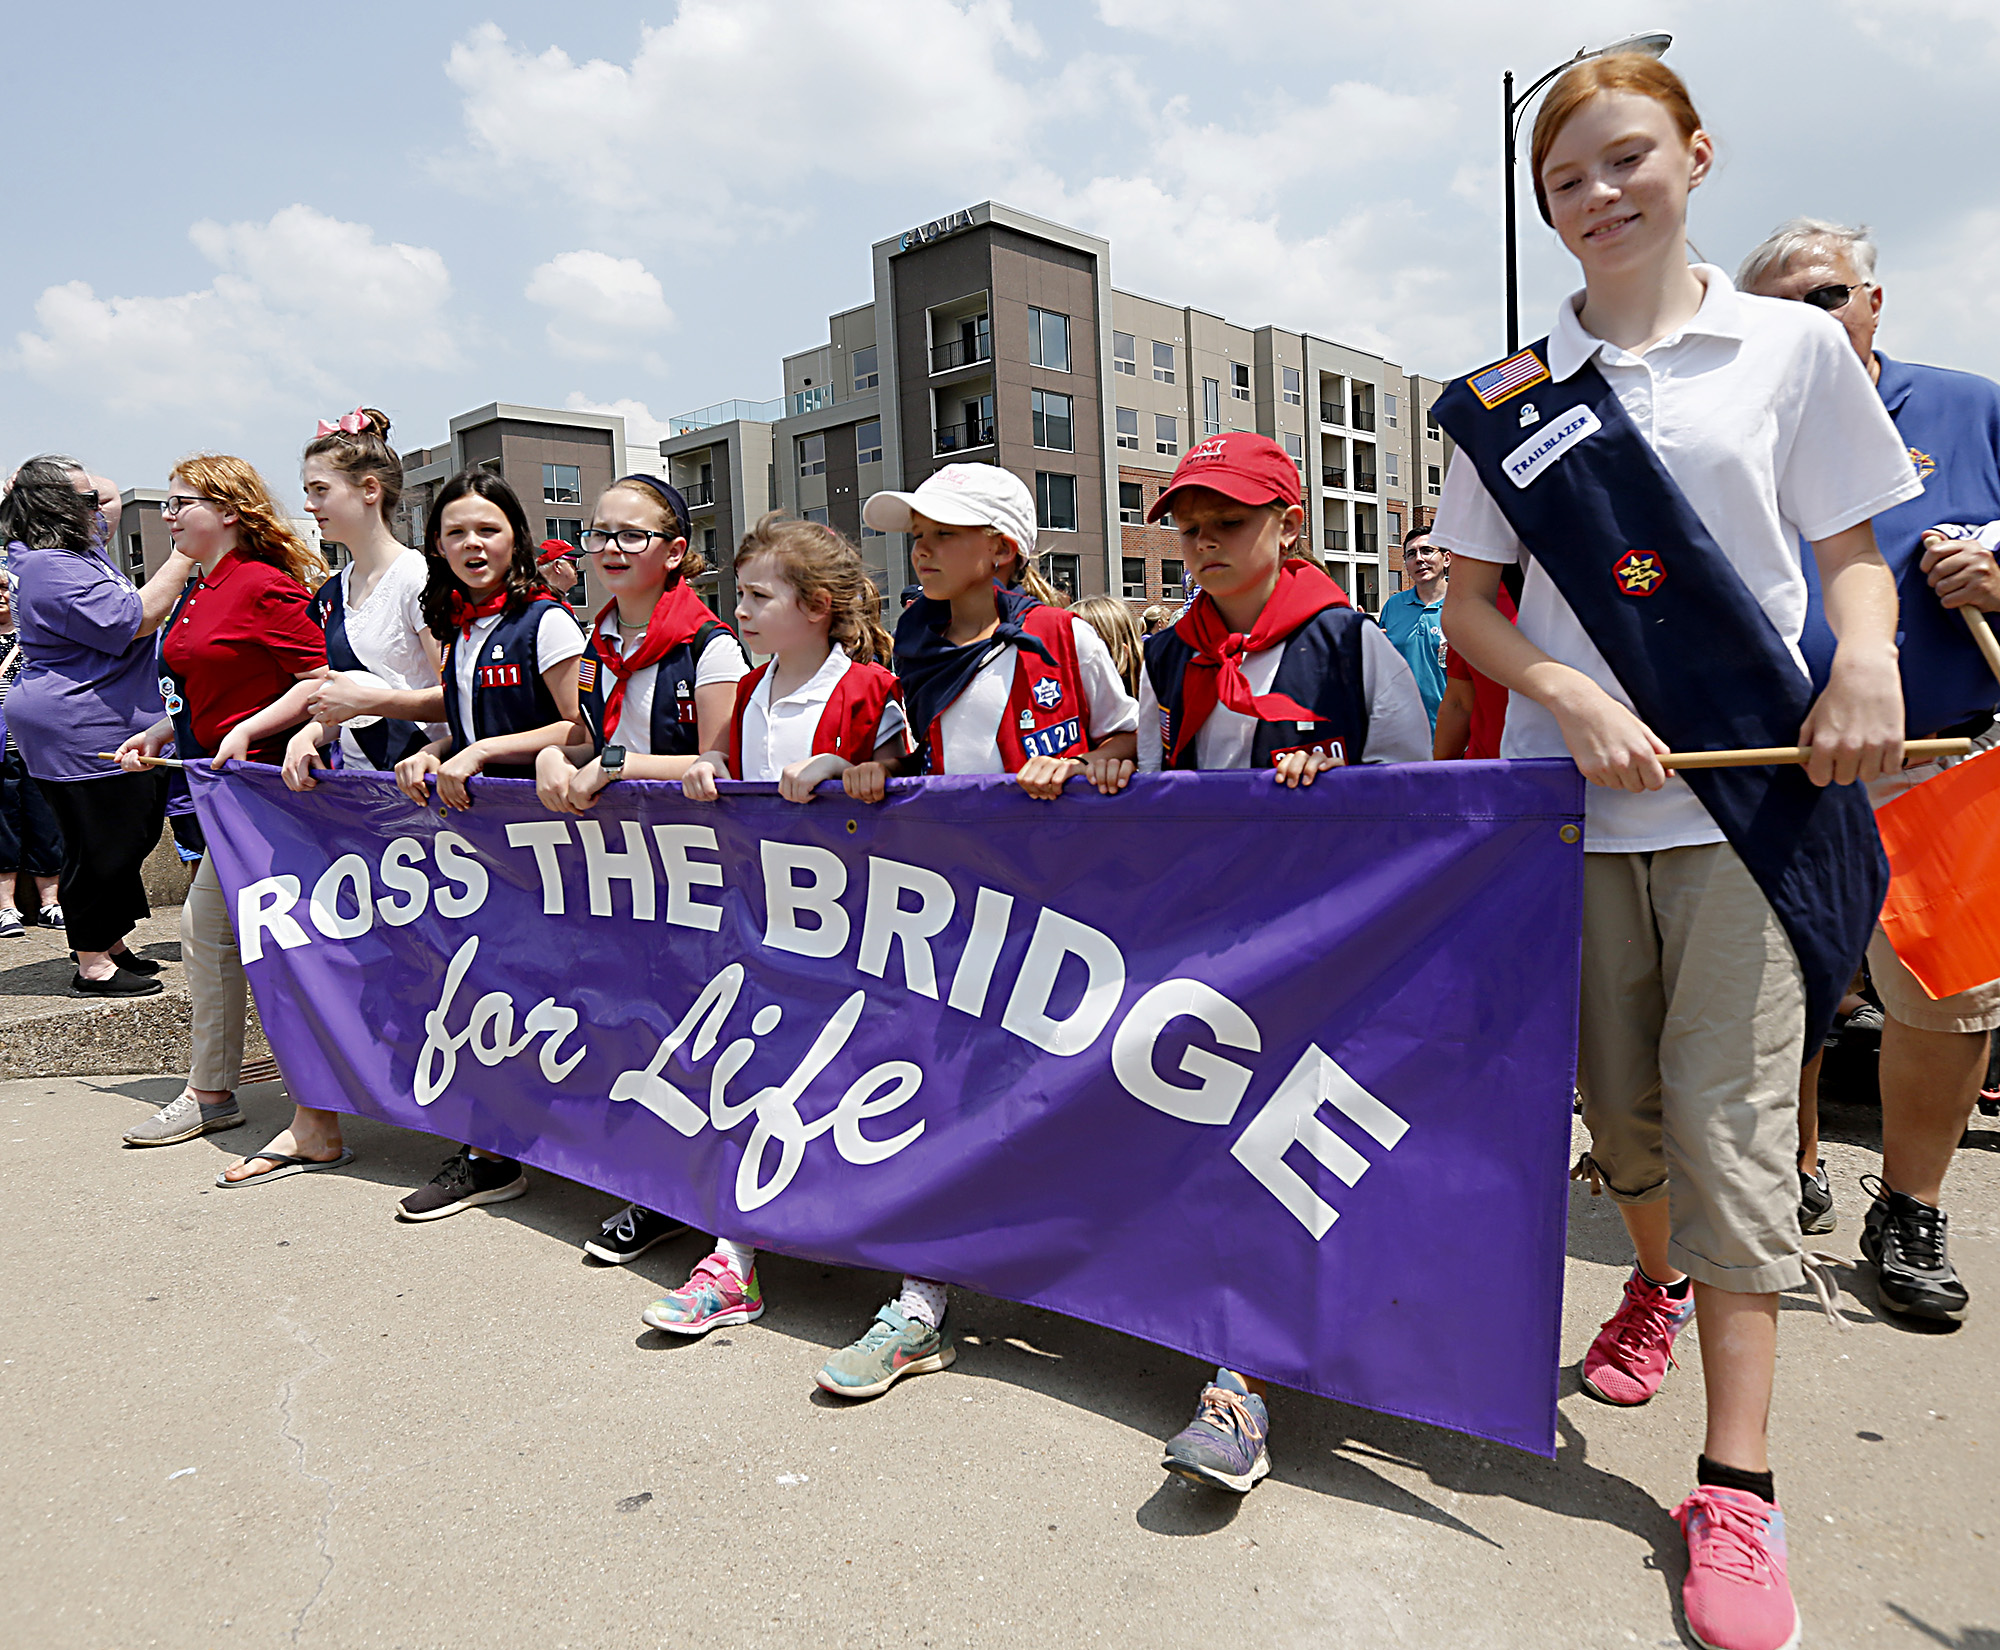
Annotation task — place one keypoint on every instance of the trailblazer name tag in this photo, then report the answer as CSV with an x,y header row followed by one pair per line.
x,y
1525,462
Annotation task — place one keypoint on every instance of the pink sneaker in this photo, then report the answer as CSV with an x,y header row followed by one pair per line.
x,y
713,1298
1736,1594
1629,1358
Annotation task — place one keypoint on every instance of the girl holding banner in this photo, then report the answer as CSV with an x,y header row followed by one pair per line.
x,y
823,697
379,698
655,686
241,637
507,657
1657,459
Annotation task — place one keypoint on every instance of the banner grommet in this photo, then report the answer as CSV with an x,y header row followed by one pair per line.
x,y
1570,833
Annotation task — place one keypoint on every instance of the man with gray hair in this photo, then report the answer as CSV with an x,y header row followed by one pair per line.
x,y
1934,1052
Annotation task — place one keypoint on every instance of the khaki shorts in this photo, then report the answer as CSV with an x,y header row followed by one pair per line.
x,y
1905,1000
1688,1061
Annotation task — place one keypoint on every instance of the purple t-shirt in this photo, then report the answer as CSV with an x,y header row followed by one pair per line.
x,y
90,680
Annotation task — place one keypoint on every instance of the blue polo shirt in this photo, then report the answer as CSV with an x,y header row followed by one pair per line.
x,y
1417,630
1951,423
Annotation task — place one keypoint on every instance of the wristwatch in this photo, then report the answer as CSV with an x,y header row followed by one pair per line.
x,y
611,761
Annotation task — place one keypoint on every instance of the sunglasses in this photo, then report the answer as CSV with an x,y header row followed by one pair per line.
x,y
1831,297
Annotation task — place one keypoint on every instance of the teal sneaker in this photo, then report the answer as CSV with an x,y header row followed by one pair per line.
x,y
894,1346
1224,1446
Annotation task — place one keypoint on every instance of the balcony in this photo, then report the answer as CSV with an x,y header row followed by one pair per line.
x,y
812,400
698,493
1330,477
1367,544
961,352
1330,413
1336,540
1364,417
1364,481
959,438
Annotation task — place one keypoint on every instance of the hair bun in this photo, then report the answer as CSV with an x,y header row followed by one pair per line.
x,y
378,421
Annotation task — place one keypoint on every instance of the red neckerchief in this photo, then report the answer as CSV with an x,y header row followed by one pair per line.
x,y
466,614
1215,673
677,616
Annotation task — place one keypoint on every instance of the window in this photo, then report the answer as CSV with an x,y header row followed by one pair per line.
x,y
1296,446
135,552
868,532
868,442
1166,434
1053,427
1132,574
1066,574
1128,428
1391,472
1431,430
1211,406
1239,381
866,373
1290,376
1163,363
1389,411
1173,581
1124,353
567,528
812,455
1132,511
816,514
562,484
1433,480
1055,502
708,544
1048,340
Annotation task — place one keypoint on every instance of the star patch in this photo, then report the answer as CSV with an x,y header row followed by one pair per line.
x,y
1639,572
1048,692
1925,465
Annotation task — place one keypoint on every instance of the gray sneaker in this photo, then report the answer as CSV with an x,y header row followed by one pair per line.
x,y
184,1119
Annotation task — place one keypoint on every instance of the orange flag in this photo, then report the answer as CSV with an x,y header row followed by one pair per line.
x,y
1943,910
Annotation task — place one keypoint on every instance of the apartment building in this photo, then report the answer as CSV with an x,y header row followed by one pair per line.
x,y
996,337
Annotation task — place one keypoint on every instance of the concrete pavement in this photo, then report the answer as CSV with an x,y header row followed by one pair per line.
x,y
276,1416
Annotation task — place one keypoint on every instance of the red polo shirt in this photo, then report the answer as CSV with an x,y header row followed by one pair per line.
x,y
242,637
1489,698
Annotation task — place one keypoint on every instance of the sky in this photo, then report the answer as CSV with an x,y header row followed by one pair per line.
x,y
229,220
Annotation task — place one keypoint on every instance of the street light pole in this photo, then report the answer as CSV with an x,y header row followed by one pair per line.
x,y
1653,44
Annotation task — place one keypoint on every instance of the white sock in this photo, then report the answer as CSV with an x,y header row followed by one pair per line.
x,y
923,1300
741,1257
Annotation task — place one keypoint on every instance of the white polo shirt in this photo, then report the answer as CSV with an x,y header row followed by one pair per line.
x,y
1399,728
777,735
1762,413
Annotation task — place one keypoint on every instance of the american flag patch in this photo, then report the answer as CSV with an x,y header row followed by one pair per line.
x,y
1509,377
586,675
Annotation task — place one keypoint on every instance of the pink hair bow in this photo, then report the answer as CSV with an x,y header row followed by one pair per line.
x,y
351,424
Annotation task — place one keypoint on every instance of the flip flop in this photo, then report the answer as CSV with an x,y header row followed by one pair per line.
x,y
287,1167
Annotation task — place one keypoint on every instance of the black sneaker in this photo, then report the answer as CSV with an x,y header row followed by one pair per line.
x,y
630,1233
1816,1202
1905,1240
465,1182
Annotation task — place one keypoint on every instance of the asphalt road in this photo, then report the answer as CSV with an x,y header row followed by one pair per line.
x,y
277,1417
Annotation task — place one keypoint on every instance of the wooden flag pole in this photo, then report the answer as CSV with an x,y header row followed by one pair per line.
x,y
1914,750
1982,633
150,761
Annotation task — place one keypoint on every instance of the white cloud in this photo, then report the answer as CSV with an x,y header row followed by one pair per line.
x,y
605,308
643,432
733,104
302,310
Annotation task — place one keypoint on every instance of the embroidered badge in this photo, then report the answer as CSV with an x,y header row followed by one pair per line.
x,y
1053,741
1048,692
1529,415
1027,721
1639,572
1544,447
586,675
499,676
1508,378
1926,466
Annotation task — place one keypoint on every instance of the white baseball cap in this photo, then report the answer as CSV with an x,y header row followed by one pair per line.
x,y
961,495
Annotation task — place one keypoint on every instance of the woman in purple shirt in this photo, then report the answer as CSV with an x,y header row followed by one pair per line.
x,y
88,684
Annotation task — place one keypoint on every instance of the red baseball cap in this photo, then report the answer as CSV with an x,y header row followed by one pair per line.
x,y
553,550
1245,466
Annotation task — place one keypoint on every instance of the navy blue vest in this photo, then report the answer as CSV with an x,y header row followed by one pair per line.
x,y
1321,669
1701,661
384,742
673,726
508,693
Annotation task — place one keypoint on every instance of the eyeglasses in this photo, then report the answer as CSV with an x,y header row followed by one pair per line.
x,y
1831,297
632,540
175,503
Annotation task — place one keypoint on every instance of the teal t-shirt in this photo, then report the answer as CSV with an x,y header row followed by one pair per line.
x,y
1416,629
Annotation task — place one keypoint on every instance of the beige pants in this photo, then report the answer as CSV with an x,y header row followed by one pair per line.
x,y
216,987
1693,1022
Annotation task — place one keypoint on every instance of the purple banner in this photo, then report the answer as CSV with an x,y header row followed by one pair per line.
x,y
1277,1078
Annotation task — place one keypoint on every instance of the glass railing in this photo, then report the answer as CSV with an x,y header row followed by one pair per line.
x,y
805,401
961,352
728,412
1330,477
958,438
1364,418
1330,413
698,493
1364,481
